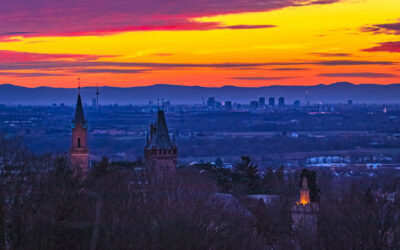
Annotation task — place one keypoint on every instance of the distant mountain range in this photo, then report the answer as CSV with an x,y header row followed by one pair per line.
x,y
339,92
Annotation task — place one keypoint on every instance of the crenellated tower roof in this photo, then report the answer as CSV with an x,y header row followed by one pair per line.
x,y
159,135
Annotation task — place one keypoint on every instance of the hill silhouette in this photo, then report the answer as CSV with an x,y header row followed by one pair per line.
x,y
334,93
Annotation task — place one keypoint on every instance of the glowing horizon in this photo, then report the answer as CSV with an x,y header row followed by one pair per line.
x,y
211,43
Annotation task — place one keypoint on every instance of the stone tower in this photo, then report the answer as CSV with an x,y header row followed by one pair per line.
x,y
160,152
305,212
304,192
79,153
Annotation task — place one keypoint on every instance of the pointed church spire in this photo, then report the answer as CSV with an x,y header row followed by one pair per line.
x,y
79,152
304,192
79,114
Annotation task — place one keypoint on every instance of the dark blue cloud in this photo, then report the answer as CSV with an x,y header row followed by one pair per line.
x,y
359,75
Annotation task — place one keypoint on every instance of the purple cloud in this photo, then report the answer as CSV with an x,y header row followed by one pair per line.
x,y
289,69
331,54
34,74
21,33
387,28
351,62
61,65
261,78
11,61
114,71
237,27
167,25
90,16
13,57
359,75
393,47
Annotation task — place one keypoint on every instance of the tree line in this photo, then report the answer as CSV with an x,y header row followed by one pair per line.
x,y
45,204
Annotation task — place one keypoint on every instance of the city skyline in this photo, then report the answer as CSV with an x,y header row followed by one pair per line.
x,y
199,124
129,43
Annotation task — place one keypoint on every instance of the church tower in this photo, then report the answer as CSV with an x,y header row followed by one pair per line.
x,y
305,212
304,192
79,153
160,152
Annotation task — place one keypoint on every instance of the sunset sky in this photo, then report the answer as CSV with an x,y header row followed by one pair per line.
x,y
199,42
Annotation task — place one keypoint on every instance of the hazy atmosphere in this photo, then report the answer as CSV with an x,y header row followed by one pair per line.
x,y
205,125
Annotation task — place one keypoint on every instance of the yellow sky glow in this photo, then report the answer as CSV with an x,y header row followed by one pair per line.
x,y
300,33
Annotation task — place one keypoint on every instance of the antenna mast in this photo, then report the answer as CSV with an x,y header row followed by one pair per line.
x,y
307,98
97,96
79,86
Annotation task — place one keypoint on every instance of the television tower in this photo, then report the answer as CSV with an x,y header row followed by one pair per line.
x,y
307,98
97,96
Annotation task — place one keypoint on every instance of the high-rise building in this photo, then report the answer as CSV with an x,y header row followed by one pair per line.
x,y
253,105
261,101
271,101
161,154
211,102
79,152
296,104
281,101
97,96
228,105
94,103
350,102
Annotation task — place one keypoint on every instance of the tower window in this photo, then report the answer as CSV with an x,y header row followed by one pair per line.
x,y
79,142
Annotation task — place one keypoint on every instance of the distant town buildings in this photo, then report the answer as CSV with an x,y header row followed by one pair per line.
x,y
341,163
228,105
211,103
253,105
296,104
261,102
281,101
271,101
